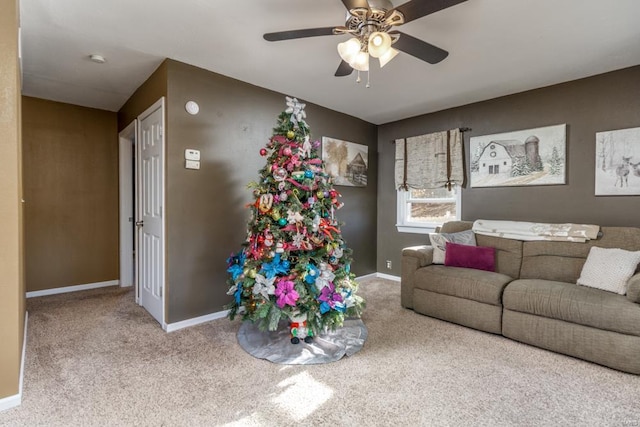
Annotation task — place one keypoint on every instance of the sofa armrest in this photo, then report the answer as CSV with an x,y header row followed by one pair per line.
x,y
413,258
633,288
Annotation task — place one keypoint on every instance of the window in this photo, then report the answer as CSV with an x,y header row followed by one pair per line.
x,y
421,211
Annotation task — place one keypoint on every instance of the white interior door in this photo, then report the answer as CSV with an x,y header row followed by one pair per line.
x,y
150,173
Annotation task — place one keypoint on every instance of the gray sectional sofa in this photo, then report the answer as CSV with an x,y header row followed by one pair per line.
x,y
532,297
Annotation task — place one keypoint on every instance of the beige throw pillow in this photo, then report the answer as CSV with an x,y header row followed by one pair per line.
x,y
439,242
609,269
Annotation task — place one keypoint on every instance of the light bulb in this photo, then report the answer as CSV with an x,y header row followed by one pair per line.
x,y
360,62
349,49
379,44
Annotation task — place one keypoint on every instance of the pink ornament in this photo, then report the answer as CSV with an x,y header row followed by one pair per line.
x,y
263,152
286,151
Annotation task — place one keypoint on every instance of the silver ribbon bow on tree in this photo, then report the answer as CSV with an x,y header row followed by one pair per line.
x,y
296,109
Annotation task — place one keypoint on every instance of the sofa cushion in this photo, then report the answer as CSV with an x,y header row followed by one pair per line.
x,y
508,253
478,257
476,285
573,303
609,269
563,261
633,289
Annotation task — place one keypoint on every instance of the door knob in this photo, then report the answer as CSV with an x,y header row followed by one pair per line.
x,y
139,223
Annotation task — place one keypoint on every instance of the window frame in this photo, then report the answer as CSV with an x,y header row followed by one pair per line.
x,y
404,225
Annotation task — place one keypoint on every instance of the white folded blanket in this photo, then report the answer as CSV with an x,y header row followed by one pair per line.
x,y
520,230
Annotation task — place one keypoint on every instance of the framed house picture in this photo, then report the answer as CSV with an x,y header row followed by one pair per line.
x,y
618,162
346,162
519,158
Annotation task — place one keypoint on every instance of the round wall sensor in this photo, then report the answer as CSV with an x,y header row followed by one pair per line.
x,y
98,59
192,107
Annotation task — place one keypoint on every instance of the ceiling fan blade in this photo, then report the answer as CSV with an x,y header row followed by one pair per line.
x,y
344,69
298,34
415,9
352,4
418,48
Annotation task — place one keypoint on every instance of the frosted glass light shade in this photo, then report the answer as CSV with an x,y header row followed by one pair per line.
x,y
360,62
388,56
379,44
349,49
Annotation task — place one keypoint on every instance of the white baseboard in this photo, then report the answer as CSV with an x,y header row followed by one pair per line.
x,y
367,276
388,277
16,399
75,288
171,327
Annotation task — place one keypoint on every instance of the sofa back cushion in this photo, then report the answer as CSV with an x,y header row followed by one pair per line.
x,y
563,261
508,253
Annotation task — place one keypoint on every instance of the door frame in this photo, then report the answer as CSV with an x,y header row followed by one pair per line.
x,y
126,145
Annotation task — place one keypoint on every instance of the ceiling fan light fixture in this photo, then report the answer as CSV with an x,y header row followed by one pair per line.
x,y
379,44
388,56
360,62
349,50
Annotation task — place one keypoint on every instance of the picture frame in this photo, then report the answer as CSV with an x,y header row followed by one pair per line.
x,y
527,157
617,168
346,162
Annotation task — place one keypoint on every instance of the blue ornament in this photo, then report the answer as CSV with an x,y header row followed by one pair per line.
x,y
285,264
282,222
308,174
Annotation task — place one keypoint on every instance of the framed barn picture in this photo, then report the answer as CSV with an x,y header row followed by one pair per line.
x,y
520,158
618,162
346,162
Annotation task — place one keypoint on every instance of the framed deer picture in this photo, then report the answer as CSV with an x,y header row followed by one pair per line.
x,y
618,162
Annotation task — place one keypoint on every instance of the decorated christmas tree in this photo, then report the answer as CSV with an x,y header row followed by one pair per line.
x,y
294,262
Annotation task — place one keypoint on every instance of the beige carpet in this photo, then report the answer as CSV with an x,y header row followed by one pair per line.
x,y
95,358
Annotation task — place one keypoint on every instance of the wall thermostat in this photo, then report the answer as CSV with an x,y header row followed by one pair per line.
x,y
191,154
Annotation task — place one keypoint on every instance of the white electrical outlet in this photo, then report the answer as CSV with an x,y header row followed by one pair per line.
x,y
388,264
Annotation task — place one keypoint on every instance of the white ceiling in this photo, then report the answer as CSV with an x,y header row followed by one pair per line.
x,y
497,47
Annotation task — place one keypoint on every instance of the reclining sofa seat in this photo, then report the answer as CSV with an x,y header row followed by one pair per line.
x,y
532,297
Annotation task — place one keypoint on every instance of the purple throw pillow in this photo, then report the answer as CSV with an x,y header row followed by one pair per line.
x,y
478,257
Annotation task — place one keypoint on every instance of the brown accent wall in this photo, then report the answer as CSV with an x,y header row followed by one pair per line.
x,y
206,218
12,306
71,193
154,88
603,102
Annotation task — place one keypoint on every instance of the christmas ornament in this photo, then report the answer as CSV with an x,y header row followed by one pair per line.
x,y
308,174
286,151
266,201
280,174
282,222
291,134
263,152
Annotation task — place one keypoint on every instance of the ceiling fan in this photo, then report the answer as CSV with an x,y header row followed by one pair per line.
x,y
372,23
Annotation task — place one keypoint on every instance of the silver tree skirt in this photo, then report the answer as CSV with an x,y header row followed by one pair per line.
x,y
276,347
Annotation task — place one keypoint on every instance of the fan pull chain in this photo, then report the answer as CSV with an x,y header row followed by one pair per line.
x,y
368,85
358,78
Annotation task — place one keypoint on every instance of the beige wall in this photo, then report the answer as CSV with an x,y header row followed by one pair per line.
x,y
11,285
71,193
